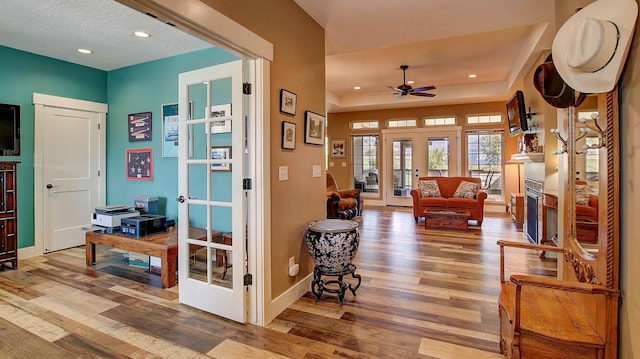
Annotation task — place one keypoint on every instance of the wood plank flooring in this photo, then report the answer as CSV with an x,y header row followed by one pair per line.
x,y
424,294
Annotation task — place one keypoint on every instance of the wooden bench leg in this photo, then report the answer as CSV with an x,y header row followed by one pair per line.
x,y
168,268
90,253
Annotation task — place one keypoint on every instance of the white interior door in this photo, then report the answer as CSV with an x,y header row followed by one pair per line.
x,y
68,160
409,155
212,201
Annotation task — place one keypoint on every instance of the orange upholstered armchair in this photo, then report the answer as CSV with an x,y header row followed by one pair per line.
x,y
344,204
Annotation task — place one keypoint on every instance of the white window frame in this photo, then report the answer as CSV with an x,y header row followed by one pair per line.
x,y
490,115
435,119
366,125
398,121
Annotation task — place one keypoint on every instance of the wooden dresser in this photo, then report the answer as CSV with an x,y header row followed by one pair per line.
x,y
8,214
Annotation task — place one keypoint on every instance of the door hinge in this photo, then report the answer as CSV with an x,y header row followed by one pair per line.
x,y
246,88
246,184
248,279
98,127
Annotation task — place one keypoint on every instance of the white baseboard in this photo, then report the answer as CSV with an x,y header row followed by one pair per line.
x,y
287,298
27,252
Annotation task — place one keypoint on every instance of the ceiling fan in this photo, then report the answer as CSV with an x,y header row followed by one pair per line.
x,y
406,89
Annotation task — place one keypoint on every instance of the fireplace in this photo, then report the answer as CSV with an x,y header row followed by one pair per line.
x,y
533,203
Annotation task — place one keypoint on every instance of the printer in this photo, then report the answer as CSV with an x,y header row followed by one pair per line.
x,y
111,216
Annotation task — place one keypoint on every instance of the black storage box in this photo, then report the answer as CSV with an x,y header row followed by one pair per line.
x,y
143,225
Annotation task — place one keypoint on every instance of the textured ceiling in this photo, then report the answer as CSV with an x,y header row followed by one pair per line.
x,y
56,28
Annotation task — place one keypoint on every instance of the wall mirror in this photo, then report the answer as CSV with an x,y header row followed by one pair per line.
x,y
593,169
589,139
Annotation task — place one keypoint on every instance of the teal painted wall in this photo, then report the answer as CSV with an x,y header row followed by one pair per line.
x,y
22,74
133,89
143,88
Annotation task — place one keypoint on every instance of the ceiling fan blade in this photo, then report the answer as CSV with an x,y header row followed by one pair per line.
x,y
423,89
423,94
400,96
394,88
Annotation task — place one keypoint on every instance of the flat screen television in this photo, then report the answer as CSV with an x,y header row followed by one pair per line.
x,y
517,114
9,130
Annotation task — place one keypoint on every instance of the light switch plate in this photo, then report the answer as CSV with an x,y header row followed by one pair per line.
x,y
283,173
316,171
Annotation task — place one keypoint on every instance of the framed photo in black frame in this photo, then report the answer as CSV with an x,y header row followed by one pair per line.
x,y
288,135
288,102
314,124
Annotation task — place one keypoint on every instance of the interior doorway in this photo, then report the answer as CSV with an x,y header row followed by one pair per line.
x,y
68,170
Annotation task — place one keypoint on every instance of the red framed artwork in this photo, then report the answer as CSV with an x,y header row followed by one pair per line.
x,y
140,164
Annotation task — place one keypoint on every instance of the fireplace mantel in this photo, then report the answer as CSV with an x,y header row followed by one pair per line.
x,y
528,157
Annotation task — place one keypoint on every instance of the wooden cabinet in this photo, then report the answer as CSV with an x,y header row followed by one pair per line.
x,y
517,209
8,214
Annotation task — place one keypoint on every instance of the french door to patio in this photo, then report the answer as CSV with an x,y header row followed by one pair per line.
x,y
409,154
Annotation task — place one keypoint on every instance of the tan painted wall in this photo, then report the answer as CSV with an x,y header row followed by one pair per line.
x,y
339,129
298,66
630,203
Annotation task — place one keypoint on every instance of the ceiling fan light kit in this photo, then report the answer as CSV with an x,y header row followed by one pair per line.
x,y
406,89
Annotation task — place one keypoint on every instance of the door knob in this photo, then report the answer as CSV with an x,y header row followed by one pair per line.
x,y
49,186
180,199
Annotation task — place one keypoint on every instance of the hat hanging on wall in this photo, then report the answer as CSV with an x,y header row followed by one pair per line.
x,y
552,87
591,47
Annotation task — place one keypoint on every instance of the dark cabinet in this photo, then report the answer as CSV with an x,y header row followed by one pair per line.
x,y
8,214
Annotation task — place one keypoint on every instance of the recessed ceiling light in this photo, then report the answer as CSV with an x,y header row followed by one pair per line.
x,y
141,34
410,82
84,51
472,76
356,87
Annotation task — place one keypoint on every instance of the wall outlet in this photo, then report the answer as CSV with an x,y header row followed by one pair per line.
x,y
292,261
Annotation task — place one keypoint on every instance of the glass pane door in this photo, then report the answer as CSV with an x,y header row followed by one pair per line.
x,y
408,156
211,213
438,157
402,167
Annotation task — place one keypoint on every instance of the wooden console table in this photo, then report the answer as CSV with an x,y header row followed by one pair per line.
x,y
163,245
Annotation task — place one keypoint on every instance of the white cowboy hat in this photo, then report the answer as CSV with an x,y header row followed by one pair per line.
x,y
590,49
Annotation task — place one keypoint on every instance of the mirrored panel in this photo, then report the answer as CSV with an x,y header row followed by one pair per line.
x,y
589,140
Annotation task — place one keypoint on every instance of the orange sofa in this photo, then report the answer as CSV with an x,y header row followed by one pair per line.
x,y
448,186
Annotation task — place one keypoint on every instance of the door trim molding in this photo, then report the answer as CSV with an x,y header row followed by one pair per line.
x,y
40,101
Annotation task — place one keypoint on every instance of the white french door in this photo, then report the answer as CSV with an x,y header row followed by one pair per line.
x,y
212,202
409,154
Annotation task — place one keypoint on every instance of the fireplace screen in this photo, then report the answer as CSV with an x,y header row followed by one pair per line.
x,y
532,216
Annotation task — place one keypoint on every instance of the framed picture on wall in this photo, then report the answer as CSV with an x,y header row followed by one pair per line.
x,y
314,128
288,135
171,130
221,153
338,148
140,127
288,102
139,164
222,125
